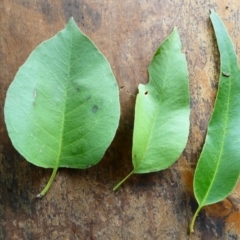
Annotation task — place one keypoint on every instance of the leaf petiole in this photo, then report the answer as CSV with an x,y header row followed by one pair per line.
x,y
43,192
191,228
120,183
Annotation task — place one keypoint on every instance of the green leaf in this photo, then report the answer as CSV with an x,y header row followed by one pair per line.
x,y
62,109
218,168
161,125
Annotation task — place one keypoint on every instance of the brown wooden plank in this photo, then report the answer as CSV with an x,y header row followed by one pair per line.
x,y
80,203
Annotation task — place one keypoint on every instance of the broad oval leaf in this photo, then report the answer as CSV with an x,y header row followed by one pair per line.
x,y
161,124
218,167
62,109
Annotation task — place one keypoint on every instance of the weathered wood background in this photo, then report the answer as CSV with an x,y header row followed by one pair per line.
x,y
80,203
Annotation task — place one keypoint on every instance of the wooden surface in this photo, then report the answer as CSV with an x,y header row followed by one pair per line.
x,y
80,203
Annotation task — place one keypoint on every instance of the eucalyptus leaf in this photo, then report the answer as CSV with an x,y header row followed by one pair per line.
x,y
218,168
62,109
161,124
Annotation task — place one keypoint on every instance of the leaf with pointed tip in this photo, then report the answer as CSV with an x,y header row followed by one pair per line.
x,y
62,109
218,167
161,125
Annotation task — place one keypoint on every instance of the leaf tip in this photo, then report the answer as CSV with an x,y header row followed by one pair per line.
x,y
174,31
72,21
175,35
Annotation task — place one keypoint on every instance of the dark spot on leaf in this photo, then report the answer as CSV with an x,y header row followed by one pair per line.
x,y
146,93
94,108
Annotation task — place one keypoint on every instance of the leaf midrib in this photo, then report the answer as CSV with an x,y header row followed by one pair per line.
x,y
155,117
64,108
224,136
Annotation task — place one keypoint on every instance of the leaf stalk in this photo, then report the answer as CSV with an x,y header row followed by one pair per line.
x,y
191,228
120,183
43,192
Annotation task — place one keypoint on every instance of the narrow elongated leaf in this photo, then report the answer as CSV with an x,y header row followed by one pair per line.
x,y
62,109
161,125
218,168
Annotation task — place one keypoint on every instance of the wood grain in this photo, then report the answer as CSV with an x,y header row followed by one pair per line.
x,y
80,203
